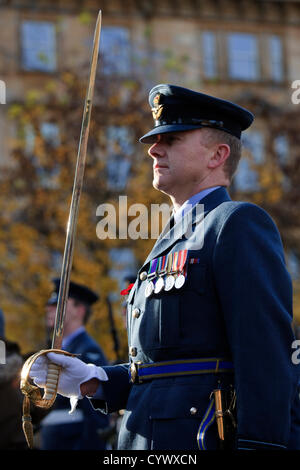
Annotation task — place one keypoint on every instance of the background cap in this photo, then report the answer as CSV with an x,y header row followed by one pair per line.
x,y
76,291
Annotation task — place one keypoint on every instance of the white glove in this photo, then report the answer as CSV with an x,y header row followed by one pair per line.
x,y
74,372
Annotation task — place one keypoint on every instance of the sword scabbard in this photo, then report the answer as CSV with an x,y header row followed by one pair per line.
x,y
225,410
219,413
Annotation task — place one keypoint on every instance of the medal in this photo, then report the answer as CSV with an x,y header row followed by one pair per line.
x,y
169,282
170,279
151,275
180,279
149,289
160,283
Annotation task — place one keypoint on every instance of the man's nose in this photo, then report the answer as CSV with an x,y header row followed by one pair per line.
x,y
156,150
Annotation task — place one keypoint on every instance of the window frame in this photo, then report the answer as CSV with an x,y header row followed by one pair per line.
x,y
124,155
22,65
129,49
258,72
254,185
214,36
263,58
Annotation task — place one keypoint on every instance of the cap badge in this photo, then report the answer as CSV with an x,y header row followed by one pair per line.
x,y
158,108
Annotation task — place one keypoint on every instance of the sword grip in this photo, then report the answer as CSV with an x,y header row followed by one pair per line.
x,y
51,381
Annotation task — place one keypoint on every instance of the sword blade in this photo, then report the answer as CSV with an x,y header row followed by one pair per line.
x,y
77,188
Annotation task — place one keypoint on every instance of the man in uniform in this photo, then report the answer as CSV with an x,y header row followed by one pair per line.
x,y
209,316
80,430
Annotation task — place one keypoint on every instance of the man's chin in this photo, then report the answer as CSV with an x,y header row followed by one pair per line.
x,y
159,185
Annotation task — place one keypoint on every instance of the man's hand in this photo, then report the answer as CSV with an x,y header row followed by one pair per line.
x,y
89,388
76,379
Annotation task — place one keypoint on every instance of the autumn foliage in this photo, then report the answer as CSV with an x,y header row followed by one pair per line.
x,y
35,197
35,193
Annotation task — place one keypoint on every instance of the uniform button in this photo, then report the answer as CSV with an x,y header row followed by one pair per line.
x,y
136,312
193,410
132,351
143,276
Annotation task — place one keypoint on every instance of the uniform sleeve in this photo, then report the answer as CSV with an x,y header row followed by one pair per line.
x,y
255,293
115,391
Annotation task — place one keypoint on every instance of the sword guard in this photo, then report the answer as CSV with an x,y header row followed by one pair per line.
x,y
33,393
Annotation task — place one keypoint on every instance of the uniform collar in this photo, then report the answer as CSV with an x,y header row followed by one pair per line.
x,y
68,339
172,232
187,205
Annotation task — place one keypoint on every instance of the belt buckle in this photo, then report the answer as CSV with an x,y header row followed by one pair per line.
x,y
134,378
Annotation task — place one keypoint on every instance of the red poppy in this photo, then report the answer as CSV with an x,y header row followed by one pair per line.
x,y
127,290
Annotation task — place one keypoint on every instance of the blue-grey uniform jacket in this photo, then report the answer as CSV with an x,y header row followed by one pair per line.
x,y
236,303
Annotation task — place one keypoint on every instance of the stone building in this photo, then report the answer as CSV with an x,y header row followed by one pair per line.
x,y
223,47
228,48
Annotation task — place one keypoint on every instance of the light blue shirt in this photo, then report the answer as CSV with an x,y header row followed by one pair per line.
x,y
191,202
68,339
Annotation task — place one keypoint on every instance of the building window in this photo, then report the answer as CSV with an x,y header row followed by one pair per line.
x,y
119,149
281,147
123,264
29,140
115,50
253,141
243,56
38,45
117,173
50,133
275,51
246,178
48,176
209,54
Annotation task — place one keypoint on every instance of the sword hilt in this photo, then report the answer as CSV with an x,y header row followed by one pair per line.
x,y
33,393
52,381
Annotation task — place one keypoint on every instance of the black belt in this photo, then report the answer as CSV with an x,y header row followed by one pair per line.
x,y
140,372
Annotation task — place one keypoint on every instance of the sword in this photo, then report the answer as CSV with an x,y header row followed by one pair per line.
x,y
31,392
77,187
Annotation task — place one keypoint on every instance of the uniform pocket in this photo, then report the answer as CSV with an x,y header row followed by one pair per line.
x,y
169,333
176,418
175,434
159,327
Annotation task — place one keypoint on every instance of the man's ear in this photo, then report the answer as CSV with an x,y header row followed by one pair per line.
x,y
219,156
